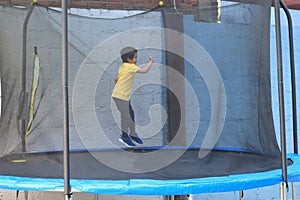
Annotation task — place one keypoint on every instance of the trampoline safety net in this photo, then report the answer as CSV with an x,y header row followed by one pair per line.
x,y
203,109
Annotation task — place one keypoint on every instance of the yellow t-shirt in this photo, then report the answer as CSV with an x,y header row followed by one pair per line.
x,y
123,87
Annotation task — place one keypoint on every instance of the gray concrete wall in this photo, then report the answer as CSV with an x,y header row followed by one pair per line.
x,y
86,51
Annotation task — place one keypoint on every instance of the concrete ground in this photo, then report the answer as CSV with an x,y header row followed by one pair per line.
x,y
38,195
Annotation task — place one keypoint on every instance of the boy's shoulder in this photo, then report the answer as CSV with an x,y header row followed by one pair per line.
x,y
129,65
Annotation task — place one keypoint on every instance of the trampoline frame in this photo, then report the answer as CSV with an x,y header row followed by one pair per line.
x,y
151,187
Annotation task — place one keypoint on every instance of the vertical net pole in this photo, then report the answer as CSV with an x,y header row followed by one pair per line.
x,y
65,100
293,78
23,78
280,91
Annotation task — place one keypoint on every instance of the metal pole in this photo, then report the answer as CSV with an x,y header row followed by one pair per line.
x,y
293,191
283,186
293,78
280,92
241,194
66,156
23,77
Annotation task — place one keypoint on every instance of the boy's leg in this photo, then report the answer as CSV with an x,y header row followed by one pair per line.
x,y
123,109
133,134
125,121
132,121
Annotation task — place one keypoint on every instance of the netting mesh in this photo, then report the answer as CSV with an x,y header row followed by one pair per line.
x,y
209,85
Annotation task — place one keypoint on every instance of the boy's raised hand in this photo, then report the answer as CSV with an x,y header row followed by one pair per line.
x,y
150,57
147,67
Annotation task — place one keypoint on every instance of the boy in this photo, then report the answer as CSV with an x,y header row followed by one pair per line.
x,y
122,92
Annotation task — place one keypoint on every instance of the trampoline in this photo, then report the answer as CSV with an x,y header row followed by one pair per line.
x,y
203,110
185,176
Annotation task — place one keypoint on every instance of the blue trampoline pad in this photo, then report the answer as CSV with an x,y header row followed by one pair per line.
x,y
147,184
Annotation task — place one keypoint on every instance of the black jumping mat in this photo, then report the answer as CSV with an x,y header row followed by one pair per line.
x,y
147,163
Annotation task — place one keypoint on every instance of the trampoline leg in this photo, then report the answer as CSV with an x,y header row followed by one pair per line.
x,y
293,191
26,195
241,194
177,197
283,186
68,196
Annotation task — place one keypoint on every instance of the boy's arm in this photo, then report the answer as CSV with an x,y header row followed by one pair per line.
x,y
147,67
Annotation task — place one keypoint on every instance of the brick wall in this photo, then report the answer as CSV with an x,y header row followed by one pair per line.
x,y
185,5
109,4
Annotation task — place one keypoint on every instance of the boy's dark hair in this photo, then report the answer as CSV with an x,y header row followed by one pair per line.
x,y
127,53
